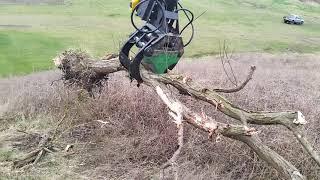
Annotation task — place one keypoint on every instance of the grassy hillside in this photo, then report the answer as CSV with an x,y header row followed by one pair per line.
x,y
30,35
26,51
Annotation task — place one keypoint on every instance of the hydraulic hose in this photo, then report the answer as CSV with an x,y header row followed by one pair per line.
x,y
189,24
139,29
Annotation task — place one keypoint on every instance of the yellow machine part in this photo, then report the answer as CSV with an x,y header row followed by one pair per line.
x,y
134,3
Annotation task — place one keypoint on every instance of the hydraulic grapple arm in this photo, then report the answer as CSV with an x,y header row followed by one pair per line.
x,y
159,41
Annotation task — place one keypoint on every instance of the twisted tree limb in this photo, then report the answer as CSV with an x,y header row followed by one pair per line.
x,y
292,120
240,133
241,86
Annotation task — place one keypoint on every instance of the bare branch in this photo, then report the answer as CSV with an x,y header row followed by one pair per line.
x,y
301,136
292,120
176,113
241,86
288,171
173,161
226,107
224,58
241,133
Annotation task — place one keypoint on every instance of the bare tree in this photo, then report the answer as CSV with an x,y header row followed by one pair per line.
x,y
85,71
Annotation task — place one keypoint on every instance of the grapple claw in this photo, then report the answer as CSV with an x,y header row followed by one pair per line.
x,y
159,41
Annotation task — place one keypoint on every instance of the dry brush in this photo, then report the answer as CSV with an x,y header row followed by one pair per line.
x,y
78,68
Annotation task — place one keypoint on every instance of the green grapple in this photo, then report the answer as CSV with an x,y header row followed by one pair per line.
x,y
159,40
163,55
160,63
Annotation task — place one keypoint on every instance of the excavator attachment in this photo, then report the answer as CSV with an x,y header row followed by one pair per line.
x,y
159,41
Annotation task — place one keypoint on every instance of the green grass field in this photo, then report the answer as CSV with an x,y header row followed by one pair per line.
x,y
31,35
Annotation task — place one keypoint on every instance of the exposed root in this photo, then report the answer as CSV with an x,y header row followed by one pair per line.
x,y
74,65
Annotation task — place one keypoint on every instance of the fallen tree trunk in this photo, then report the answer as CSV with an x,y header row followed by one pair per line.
x,y
84,71
240,133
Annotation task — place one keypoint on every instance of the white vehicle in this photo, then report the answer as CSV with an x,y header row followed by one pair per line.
x,y
293,19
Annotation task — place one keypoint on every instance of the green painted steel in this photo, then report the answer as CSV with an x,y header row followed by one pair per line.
x,y
160,63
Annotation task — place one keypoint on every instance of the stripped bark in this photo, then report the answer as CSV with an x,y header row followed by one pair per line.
x,y
240,133
294,120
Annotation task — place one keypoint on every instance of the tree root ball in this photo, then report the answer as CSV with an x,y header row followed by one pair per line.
x,y
75,70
